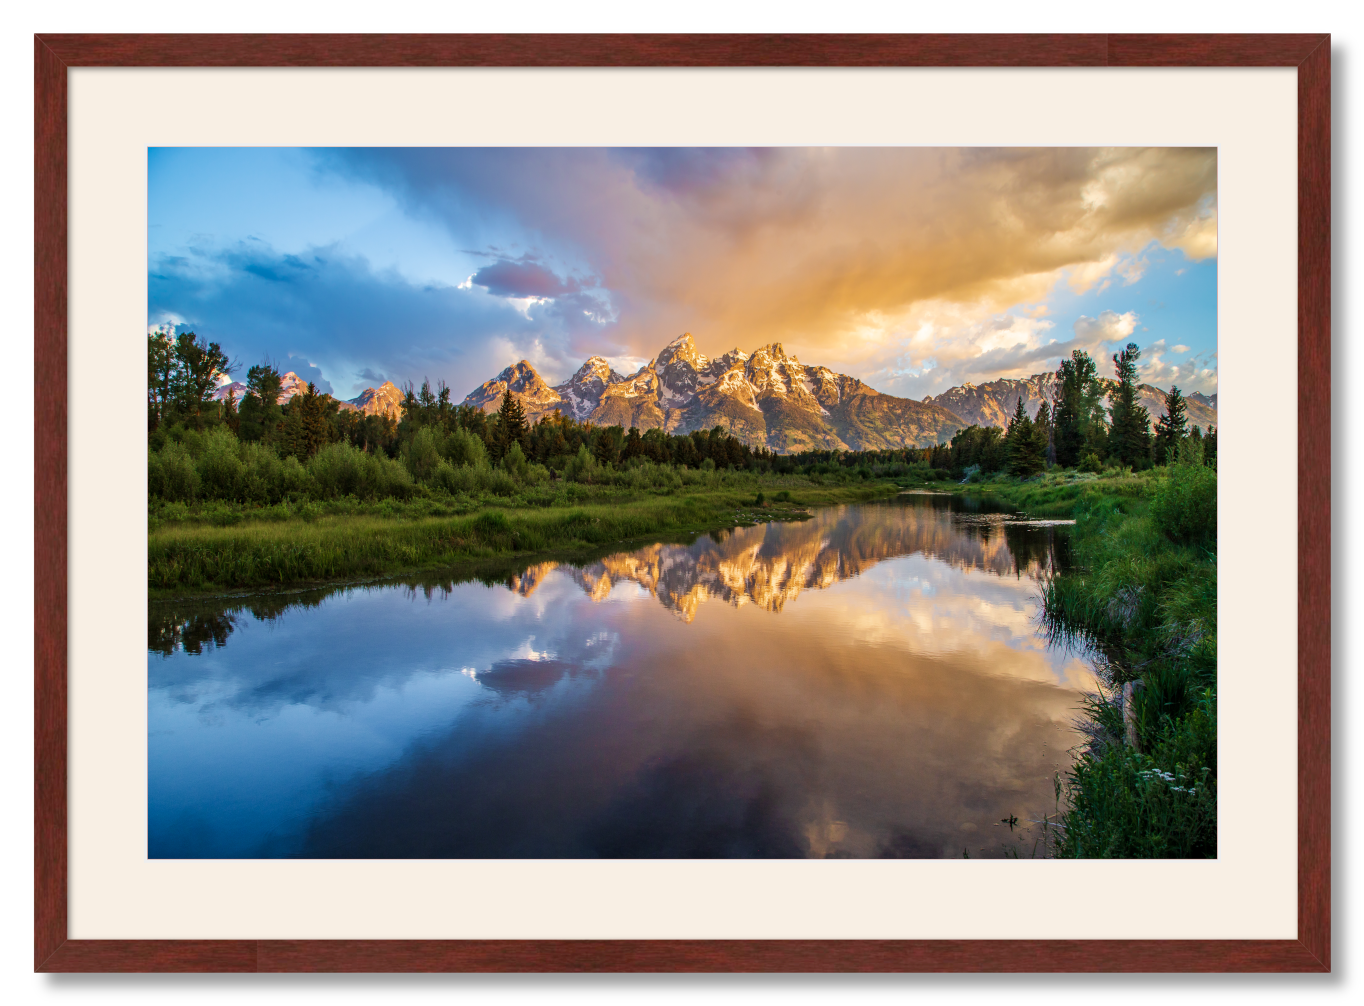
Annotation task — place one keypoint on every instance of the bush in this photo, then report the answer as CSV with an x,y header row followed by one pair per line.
x,y
1157,805
783,497
1091,462
343,470
421,454
941,474
463,448
582,467
515,462
1184,505
171,473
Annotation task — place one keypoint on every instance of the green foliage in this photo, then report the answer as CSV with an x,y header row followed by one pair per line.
x,y
1079,421
1184,505
421,454
511,424
171,473
1171,427
182,373
1129,435
1091,462
463,447
1127,804
582,467
343,470
1022,447
514,462
1147,602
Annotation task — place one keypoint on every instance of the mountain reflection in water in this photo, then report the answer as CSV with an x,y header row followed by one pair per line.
x,y
873,684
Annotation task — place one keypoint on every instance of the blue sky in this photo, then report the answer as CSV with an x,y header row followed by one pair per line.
x,y
913,269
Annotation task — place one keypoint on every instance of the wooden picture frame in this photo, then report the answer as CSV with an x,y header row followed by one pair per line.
x,y
1309,54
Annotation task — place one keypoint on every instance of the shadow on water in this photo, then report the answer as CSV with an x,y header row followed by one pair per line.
x,y
899,705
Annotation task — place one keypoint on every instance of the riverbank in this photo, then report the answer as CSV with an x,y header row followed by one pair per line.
x,y
217,550
1143,595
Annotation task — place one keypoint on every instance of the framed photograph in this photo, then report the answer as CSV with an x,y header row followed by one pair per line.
x,y
681,503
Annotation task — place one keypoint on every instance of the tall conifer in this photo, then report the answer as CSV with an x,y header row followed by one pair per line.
x,y
1129,435
1170,429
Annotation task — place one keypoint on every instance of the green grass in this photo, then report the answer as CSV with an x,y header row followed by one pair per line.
x,y
267,549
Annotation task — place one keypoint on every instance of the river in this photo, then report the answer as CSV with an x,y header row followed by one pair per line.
x,y
869,682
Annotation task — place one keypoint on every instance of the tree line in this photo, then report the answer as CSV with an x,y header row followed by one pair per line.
x,y
1076,430
279,447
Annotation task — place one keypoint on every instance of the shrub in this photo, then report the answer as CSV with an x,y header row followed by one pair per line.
x,y
421,455
582,467
783,497
515,461
1184,505
464,448
343,470
941,474
173,475
1091,462
501,483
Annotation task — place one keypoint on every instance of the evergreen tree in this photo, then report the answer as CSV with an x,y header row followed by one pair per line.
x,y
511,424
231,417
1170,429
305,428
1043,433
1210,447
634,443
1021,445
606,450
1129,435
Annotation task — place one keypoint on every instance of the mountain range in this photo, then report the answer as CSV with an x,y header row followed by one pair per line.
x,y
385,400
768,398
993,403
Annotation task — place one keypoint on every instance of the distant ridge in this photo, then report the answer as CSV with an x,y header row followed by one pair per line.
x,y
764,398
769,399
385,400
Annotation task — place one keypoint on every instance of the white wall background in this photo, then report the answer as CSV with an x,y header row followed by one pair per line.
x,y
19,985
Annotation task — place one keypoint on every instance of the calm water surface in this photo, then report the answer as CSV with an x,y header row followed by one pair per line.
x,y
870,682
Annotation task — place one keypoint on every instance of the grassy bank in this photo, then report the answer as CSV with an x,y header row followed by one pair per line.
x,y
218,549
1143,594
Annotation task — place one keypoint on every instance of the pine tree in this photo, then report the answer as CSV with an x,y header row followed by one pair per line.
x,y
511,424
1043,433
1129,436
1021,446
606,450
1170,429
231,417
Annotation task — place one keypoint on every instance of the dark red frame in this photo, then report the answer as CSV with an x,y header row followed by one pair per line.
x,y
1310,54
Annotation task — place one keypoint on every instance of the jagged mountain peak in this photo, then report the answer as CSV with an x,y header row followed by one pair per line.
x,y
766,398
